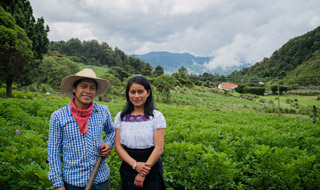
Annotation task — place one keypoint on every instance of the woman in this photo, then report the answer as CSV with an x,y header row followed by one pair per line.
x,y
139,138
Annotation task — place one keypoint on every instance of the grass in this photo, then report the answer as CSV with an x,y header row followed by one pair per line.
x,y
100,71
302,100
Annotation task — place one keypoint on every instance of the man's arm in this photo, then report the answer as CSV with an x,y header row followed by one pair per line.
x,y
109,130
54,149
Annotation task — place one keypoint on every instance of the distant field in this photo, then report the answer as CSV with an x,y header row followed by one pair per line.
x,y
97,69
302,100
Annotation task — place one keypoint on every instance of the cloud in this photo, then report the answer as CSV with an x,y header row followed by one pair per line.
x,y
231,31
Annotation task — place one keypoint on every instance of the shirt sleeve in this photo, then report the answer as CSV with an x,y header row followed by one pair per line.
x,y
117,121
109,130
159,121
54,149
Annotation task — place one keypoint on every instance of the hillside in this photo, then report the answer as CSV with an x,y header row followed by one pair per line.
x,y
306,73
291,55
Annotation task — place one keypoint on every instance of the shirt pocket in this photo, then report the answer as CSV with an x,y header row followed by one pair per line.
x,y
97,134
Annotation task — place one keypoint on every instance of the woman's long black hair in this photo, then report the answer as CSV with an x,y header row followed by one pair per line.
x,y
148,106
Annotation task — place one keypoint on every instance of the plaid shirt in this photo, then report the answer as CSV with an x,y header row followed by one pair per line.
x,y
79,152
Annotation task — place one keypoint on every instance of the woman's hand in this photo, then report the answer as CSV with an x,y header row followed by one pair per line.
x,y
105,150
143,168
138,181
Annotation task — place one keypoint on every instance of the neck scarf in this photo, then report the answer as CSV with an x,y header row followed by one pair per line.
x,y
81,116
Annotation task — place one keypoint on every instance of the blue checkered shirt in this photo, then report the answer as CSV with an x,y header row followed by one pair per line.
x,y
79,152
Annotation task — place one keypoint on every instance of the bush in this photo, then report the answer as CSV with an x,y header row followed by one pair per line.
x,y
271,102
254,90
281,88
39,96
49,98
240,88
58,98
292,110
20,95
3,92
30,95
262,100
289,101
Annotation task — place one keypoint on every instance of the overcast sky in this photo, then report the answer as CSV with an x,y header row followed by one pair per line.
x,y
233,31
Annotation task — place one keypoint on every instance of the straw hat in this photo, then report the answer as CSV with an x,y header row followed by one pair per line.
x,y
68,81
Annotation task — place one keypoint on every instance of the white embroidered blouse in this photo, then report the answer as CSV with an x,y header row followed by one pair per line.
x,y
139,135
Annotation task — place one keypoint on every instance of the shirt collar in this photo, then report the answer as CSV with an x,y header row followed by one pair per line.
x,y
95,108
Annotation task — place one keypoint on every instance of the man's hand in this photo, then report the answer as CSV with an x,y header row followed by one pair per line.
x,y
105,150
60,188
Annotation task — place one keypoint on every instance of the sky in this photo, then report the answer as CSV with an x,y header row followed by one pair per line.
x,y
233,32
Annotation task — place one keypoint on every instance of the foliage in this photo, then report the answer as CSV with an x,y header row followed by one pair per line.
x,y
209,144
281,89
3,92
35,30
93,53
164,84
55,68
306,73
15,51
30,95
158,70
254,90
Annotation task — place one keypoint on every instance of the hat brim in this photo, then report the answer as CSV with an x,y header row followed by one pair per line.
x,y
68,81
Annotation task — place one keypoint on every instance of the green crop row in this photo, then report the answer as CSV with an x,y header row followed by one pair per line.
x,y
205,148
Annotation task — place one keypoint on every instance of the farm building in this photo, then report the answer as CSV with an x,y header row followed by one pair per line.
x,y
227,86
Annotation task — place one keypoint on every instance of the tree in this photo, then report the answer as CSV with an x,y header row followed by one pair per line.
x,y
36,31
15,51
158,70
164,84
182,71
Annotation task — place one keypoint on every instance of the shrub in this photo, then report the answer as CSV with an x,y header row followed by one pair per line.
x,y
3,92
39,96
49,98
288,101
30,95
254,90
14,93
58,98
271,102
20,95
262,100
292,110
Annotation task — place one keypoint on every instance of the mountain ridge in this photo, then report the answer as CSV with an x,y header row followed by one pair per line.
x,y
171,62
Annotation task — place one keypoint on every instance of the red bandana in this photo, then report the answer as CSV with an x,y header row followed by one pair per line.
x,y
81,116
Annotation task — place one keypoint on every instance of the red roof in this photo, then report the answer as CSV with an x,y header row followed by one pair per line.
x,y
227,86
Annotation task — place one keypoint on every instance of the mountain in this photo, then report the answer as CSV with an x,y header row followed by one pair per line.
x,y
171,62
298,59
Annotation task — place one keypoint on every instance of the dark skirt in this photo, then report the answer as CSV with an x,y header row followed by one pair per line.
x,y
154,180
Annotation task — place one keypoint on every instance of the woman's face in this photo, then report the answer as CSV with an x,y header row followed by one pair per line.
x,y
138,95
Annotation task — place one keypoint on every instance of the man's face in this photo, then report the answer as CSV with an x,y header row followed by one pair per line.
x,y
84,92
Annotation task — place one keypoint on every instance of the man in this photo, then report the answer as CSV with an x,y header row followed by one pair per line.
x,y
76,131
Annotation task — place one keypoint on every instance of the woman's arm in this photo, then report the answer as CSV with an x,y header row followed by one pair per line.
x,y
141,167
158,136
121,152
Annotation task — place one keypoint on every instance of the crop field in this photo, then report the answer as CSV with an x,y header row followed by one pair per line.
x,y
212,142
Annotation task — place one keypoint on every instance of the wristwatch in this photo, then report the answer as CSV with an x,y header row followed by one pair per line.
x,y
134,165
